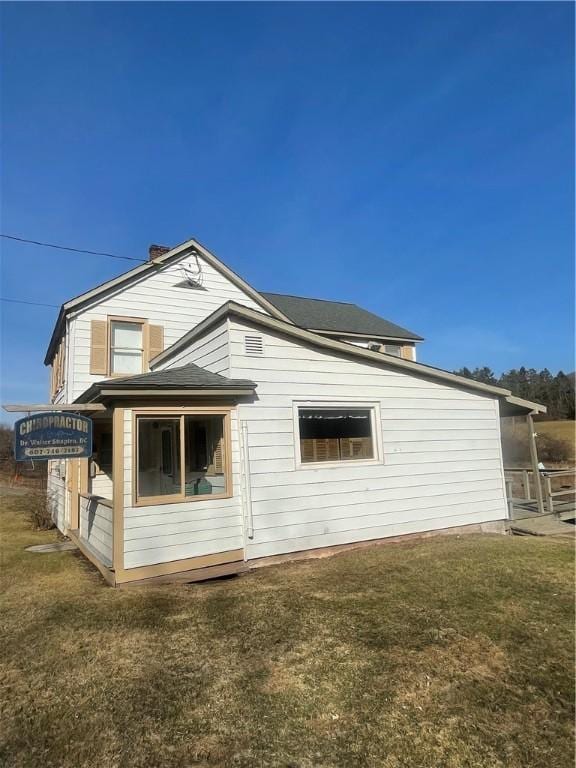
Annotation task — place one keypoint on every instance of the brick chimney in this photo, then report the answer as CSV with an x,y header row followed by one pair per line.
x,y
155,251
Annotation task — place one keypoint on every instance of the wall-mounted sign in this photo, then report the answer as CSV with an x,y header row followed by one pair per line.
x,y
52,436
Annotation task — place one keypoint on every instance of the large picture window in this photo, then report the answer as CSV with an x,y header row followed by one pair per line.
x,y
336,434
181,457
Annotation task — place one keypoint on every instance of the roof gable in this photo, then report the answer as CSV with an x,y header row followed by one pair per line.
x,y
337,316
179,252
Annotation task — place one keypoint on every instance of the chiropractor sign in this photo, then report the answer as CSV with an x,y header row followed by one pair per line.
x,y
52,436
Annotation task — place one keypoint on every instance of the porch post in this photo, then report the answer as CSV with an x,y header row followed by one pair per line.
x,y
118,491
73,486
84,475
534,458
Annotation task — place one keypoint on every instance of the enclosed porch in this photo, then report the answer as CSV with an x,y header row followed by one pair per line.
x,y
541,498
161,496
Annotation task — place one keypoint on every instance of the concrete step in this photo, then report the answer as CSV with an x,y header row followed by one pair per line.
x,y
545,525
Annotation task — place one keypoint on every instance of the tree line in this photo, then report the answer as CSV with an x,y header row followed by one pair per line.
x,y
555,392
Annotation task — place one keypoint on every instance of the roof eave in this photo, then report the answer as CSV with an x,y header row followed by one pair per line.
x,y
519,406
386,337
55,335
97,394
231,308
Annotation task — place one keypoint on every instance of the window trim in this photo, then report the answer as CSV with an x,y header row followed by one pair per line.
x,y
181,413
375,421
143,322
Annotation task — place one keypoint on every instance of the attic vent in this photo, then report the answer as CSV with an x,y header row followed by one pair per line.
x,y
253,345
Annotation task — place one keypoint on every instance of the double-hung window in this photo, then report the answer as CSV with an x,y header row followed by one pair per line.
x,y
126,347
182,457
123,346
337,433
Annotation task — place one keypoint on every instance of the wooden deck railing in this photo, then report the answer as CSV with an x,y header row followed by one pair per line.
x,y
565,489
524,480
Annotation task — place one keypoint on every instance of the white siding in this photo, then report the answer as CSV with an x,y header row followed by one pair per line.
x,y
166,532
210,351
56,495
157,298
101,485
441,463
96,528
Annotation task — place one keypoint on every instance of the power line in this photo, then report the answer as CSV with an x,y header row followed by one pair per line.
x,y
33,303
69,248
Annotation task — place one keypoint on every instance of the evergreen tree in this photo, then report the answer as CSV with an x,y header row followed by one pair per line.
x,y
555,392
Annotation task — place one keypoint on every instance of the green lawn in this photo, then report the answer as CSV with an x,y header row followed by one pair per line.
x,y
442,653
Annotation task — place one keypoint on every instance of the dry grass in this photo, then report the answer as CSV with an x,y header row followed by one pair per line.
x,y
451,652
556,443
560,430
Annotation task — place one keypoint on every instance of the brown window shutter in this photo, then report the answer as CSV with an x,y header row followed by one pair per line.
x,y
326,449
155,341
217,465
57,363
307,449
99,347
356,447
63,359
215,446
406,352
55,372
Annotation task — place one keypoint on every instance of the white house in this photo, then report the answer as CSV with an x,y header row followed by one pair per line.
x,y
232,427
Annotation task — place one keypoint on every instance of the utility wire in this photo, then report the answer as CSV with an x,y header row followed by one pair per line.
x,y
60,248
68,248
33,303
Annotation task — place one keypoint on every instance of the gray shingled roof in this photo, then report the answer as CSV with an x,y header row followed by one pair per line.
x,y
189,376
321,315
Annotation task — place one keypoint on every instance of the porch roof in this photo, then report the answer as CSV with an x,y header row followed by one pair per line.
x,y
187,379
517,406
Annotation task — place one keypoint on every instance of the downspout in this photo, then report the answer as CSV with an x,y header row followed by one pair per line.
x,y
535,463
245,484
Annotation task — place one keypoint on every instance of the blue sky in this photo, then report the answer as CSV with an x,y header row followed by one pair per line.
x,y
414,158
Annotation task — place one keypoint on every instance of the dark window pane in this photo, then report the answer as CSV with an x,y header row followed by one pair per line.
x,y
158,457
205,470
105,451
332,434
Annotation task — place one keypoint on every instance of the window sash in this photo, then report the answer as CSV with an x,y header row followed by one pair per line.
x,y
221,459
122,351
164,424
337,449
120,361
